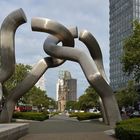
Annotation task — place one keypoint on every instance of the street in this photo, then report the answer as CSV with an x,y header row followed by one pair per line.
x,y
61,127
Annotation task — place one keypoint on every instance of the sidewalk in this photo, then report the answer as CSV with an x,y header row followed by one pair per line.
x,y
65,128
69,136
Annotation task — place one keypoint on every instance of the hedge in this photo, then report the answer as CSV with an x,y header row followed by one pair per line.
x,y
74,114
128,129
85,115
31,116
53,114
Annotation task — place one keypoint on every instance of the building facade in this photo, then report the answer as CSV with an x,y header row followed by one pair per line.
x,y
66,89
122,14
41,83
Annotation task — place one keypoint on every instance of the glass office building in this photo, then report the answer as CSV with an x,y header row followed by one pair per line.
x,y
122,14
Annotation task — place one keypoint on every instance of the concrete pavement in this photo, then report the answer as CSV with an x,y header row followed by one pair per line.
x,y
13,131
62,127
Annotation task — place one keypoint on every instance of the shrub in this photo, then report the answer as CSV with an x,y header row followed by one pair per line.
x,y
31,116
74,114
53,114
128,129
85,116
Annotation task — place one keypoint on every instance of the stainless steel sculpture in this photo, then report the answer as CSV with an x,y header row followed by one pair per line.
x,y
37,71
92,64
7,53
93,70
7,42
88,39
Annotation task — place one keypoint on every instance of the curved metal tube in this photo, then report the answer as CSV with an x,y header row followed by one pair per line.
x,y
92,74
91,43
38,70
1,93
7,42
76,55
54,28
30,80
60,32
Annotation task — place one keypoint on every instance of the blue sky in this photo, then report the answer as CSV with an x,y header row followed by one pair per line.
x,y
92,15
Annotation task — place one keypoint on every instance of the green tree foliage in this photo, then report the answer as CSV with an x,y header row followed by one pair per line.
x,y
21,71
35,96
131,55
128,96
52,103
89,99
73,105
39,98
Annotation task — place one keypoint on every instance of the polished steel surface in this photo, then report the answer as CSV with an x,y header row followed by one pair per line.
x,y
1,93
91,43
7,42
94,49
60,32
93,71
37,71
54,28
91,64
48,62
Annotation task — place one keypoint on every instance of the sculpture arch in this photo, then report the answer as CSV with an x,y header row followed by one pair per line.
x,y
93,71
92,65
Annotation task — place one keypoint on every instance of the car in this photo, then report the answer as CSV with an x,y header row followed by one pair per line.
x,y
81,111
135,114
75,111
94,110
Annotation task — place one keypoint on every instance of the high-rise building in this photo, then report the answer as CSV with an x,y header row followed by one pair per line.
x,y
41,83
122,14
66,89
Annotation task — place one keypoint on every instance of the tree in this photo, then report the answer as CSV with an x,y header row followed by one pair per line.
x,y
131,53
12,93
36,97
71,105
20,73
127,96
89,99
93,94
52,103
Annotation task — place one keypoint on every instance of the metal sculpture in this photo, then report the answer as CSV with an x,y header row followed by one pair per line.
x,y
7,53
92,64
93,70
37,71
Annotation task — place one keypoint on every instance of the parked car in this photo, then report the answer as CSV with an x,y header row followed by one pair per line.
x,y
135,114
23,108
81,111
94,110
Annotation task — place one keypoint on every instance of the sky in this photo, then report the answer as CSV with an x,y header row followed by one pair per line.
x,y
92,15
